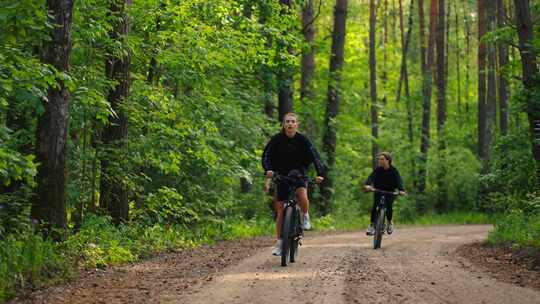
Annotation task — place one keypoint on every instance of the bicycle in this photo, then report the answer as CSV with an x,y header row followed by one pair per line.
x,y
291,231
380,221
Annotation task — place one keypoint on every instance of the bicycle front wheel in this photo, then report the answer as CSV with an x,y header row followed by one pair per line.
x,y
286,236
379,228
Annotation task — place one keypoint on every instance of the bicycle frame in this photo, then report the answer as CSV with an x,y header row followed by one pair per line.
x,y
380,221
291,230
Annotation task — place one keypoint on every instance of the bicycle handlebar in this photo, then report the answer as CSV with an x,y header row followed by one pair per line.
x,y
385,192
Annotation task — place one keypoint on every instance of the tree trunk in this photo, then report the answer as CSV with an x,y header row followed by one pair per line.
x,y
482,118
332,106
308,56
502,50
427,83
491,101
114,195
458,60
286,75
441,104
49,204
467,60
530,77
384,72
373,81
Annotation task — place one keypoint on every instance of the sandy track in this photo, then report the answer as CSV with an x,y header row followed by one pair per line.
x,y
415,265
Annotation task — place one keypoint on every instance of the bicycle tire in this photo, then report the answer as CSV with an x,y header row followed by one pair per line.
x,y
379,227
286,236
295,238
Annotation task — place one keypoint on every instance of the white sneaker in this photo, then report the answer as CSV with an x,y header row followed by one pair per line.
x,y
370,230
307,222
277,249
390,228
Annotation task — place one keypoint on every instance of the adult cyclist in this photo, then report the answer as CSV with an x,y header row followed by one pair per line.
x,y
290,153
385,177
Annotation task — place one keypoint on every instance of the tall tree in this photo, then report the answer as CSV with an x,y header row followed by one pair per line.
x,y
530,77
491,101
458,58
482,118
427,82
373,81
308,56
114,195
441,102
502,51
467,51
49,205
286,73
332,105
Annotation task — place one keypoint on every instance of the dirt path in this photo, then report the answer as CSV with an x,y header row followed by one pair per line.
x,y
415,265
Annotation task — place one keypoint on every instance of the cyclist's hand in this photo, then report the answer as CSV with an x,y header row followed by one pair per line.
x,y
319,179
267,183
269,173
369,188
402,193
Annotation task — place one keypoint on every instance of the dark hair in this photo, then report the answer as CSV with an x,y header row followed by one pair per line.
x,y
387,155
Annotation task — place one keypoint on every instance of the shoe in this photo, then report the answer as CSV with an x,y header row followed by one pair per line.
x,y
390,228
277,249
307,222
370,230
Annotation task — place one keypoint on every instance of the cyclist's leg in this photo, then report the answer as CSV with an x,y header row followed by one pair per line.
x,y
389,207
303,201
376,198
279,217
282,193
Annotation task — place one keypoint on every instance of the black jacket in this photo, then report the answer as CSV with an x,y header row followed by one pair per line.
x,y
283,154
387,180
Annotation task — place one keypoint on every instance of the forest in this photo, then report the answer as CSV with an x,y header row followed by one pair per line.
x,y
131,127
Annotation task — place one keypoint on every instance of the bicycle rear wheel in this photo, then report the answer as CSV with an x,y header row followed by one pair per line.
x,y
379,228
286,236
296,236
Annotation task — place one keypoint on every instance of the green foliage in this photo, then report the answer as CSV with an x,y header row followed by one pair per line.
x,y
518,229
26,260
166,206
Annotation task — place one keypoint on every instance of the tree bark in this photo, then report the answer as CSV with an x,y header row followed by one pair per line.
x,y
286,75
441,104
332,105
502,50
491,101
458,60
373,81
114,195
482,118
49,205
427,83
308,56
467,60
530,77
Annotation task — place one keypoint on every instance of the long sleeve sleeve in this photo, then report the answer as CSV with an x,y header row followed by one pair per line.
x,y
266,160
315,158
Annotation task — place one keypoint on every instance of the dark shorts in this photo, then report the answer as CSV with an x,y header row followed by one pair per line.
x,y
284,189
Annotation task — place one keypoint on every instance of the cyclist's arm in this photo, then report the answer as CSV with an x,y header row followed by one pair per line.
x,y
369,180
315,158
266,157
399,181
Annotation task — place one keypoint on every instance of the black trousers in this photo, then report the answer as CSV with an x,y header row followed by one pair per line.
x,y
389,199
